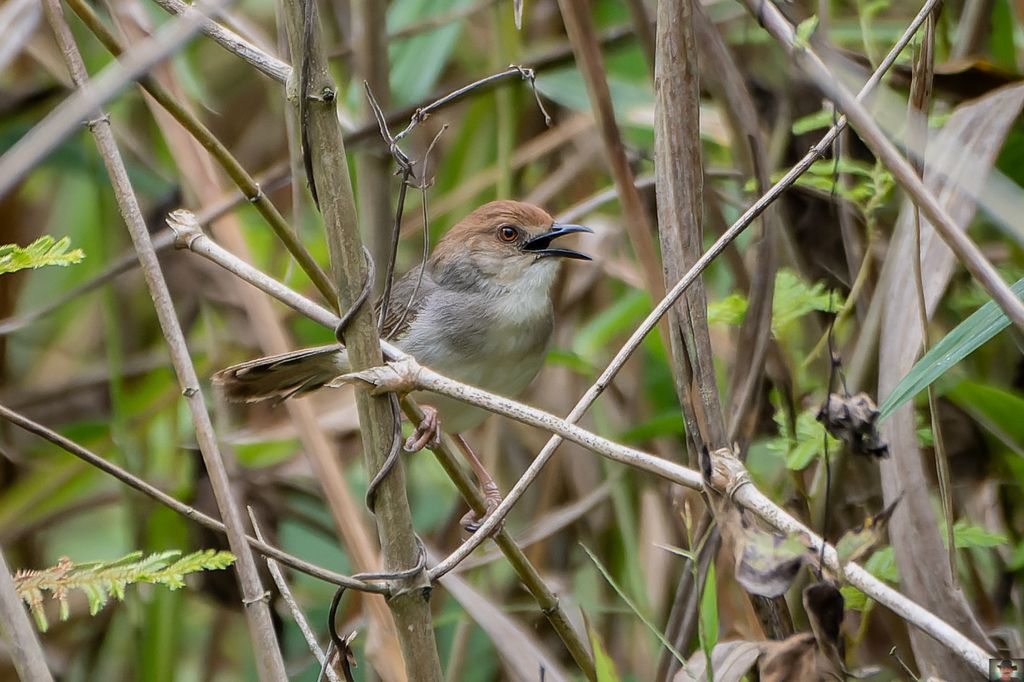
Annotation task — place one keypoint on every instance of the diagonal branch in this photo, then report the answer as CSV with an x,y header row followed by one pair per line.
x,y
406,374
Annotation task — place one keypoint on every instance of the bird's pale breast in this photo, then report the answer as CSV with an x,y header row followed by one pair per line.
x,y
495,339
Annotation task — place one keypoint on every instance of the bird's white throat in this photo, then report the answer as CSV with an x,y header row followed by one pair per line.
x,y
528,298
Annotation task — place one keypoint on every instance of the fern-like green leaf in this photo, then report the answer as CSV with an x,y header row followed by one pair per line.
x,y
793,299
43,251
99,580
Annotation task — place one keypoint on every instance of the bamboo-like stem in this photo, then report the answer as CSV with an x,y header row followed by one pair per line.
x,y
680,189
269,663
327,160
245,182
19,632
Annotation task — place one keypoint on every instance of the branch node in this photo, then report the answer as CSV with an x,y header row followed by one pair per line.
x,y
92,123
186,228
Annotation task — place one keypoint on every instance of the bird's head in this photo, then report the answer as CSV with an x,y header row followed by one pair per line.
x,y
504,242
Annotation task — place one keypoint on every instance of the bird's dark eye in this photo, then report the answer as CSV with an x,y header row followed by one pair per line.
x,y
507,233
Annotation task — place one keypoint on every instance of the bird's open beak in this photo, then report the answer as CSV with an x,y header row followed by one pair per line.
x,y
539,245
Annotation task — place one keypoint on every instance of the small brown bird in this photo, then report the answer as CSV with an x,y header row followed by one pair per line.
x,y
481,315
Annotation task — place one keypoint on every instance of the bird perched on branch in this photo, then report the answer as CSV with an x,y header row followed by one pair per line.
x,y
481,315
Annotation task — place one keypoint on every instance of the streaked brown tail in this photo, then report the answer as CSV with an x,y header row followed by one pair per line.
x,y
278,377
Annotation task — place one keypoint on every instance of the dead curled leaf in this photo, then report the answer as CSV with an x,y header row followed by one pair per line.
x,y
795,658
824,605
767,562
853,420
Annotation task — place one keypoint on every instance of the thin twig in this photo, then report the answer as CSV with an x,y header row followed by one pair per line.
x,y
293,606
234,43
424,185
421,114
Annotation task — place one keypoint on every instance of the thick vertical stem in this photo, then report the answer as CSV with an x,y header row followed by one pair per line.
x,y
409,602
677,158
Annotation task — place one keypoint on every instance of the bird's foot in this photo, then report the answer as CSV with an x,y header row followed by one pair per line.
x,y
472,521
427,433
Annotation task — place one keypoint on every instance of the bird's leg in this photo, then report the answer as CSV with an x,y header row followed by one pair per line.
x,y
427,433
492,496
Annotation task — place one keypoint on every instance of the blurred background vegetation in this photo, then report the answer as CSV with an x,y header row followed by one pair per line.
x,y
96,367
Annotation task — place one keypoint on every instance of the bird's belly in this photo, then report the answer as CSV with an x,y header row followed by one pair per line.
x,y
499,359
504,378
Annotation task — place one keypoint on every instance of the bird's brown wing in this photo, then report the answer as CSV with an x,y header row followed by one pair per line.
x,y
407,297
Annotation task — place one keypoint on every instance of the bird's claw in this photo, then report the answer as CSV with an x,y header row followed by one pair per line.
x,y
472,522
427,433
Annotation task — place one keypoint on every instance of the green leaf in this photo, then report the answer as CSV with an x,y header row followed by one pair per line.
x,y
98,580
805,29
985,323
42,252
729,310
995,409
709,611
882,565
417,61
793,299
591,341
633,607
809,440
603,663
669,423
967,534
854,598
816,121
1016,558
